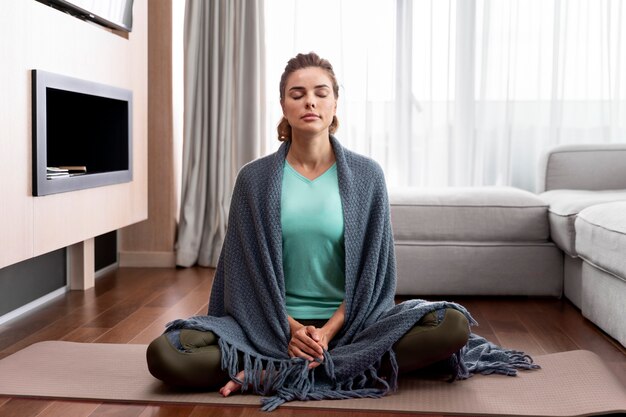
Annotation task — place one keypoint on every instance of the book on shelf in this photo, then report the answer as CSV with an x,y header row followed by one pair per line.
x,y
53,175
74,168
65,171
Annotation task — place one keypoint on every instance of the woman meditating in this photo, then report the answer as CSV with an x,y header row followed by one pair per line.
x,y
302,304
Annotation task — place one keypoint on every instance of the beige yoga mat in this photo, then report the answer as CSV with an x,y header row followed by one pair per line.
x,y
569,384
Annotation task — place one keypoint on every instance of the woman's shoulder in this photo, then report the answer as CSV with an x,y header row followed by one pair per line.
x,y
363,165
355,161
257,166
256,172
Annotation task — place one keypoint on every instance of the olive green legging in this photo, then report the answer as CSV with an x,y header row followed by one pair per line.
x,y
199,366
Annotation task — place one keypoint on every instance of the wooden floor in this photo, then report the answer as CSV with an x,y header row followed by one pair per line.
x,y
132,305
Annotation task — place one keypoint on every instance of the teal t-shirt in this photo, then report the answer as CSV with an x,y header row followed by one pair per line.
x,y
313,247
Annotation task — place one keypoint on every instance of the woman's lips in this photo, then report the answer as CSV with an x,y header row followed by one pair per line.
x,y
310,117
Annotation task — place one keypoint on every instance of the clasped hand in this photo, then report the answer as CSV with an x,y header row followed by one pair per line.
x,y
308,342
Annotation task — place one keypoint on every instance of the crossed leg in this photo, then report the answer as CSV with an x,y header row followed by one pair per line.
x,y
199,365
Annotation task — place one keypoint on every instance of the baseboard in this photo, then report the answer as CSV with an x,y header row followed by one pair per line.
x,y
147,259
33,305
103,271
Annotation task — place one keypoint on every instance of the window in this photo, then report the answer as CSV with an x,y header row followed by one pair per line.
x,y
459,93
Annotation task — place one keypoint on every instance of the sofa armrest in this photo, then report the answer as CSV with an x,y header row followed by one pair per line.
x,y
583,167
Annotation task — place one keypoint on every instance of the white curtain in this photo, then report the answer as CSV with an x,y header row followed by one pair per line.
x,y
223,126
456,93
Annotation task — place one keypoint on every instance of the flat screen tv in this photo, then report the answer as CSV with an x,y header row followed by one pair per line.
x,y
115,14
82,134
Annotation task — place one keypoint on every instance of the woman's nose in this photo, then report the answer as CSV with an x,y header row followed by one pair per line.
x,y
310,102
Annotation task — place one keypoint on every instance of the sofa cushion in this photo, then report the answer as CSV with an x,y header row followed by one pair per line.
x,y
603,303
503,214
565,206
601,237
600,166
479,268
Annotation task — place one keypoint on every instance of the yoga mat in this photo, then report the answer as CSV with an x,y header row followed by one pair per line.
x,y
571,383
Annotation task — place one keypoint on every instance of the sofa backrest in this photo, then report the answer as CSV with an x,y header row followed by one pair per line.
x,y
583,167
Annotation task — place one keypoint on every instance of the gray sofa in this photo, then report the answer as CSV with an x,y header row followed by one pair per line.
x,y
585,187
570,238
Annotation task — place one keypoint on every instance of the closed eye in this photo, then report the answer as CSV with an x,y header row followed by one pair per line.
x,y
322,90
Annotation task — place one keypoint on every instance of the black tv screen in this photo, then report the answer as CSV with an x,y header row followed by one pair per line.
x,y
115,14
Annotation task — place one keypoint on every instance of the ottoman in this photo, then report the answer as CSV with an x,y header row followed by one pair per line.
x,y
601,243
474,241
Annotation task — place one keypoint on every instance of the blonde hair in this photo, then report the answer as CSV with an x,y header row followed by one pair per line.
x,y
296,63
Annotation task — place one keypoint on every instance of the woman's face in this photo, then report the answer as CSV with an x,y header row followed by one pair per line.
x,y
309,104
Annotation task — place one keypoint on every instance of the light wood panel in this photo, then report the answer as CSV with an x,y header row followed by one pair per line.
x,y
16,207
151,243
150,259
35,36
81,263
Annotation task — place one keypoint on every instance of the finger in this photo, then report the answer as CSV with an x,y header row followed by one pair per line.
x,y
308,344
313,363
311,348
300,354
314,333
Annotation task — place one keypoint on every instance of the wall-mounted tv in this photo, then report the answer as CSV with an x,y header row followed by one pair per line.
x,y
82,134
115,14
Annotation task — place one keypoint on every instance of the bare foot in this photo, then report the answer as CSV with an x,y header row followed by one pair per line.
x,y
232,386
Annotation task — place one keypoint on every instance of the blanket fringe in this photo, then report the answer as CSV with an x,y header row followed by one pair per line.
x,y
288,394
302,387
516,361
395,370
292,379
483,357
459,369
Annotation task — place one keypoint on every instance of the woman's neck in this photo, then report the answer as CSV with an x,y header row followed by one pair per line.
x,y
311,157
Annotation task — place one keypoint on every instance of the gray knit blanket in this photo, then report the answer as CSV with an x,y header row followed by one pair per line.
x,y
247,307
